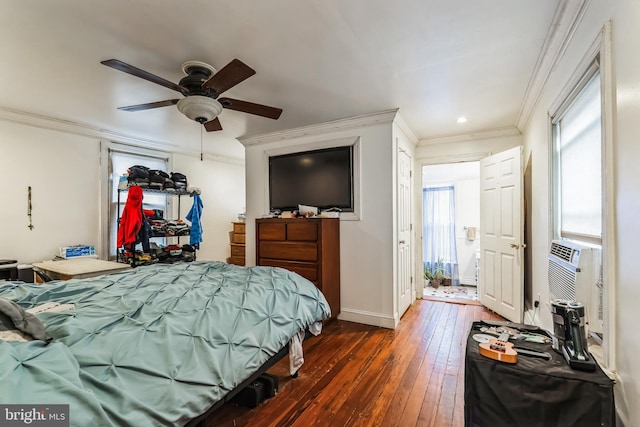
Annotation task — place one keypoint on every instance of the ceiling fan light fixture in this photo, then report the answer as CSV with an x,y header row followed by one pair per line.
x,y
200,108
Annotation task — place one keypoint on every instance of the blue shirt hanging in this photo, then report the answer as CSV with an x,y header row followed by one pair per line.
x,y
194,216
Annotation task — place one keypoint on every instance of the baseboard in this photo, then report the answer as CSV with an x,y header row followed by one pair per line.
x,y
530,318
368,318
468,281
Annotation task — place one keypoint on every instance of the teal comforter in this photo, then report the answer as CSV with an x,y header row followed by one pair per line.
x,y
156,345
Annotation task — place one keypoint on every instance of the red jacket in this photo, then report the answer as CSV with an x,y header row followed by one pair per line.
x,y
131,219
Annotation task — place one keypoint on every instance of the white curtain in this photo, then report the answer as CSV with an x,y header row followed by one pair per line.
x,y
439,233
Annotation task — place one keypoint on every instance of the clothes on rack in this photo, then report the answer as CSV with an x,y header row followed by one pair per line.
x,y
134,227
131,219
195,217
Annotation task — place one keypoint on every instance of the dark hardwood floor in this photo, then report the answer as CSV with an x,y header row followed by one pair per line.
x,y
359,375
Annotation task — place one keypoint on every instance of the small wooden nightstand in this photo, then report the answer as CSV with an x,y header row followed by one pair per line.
x,y
237,237
78,268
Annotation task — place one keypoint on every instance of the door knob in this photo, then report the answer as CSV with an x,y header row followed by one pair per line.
x,y
402,242
514,246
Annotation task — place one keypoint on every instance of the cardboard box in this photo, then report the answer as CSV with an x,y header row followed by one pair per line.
x,y
77,251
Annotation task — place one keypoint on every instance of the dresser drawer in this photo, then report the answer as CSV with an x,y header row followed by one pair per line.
x,y
307,270
237,250
236,260
305,231
294,251
269,231
239,227
237,238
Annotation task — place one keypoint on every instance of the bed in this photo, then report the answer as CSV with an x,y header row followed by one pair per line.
x,y
156,345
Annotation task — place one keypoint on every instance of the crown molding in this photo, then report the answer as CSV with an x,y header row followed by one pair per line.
x,y
406,127
81,129
563,26
364,120
473,136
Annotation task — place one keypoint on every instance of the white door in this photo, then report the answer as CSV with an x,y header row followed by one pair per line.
x,y
405,260
502,233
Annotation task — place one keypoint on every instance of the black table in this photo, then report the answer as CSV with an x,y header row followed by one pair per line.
x,y
533,392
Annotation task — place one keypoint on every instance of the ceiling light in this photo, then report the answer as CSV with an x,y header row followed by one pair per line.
x,y
461,120
200,108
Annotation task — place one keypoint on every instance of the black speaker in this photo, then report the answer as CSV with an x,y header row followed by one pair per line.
x,y
250,396
270,383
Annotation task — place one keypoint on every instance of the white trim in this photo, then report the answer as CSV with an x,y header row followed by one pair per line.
x,y
473,136
369,318
406,128
568,15
602,45
105,190
103,199
453,158
81,129
322,128
609,244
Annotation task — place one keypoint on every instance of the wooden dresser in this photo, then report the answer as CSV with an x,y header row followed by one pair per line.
x,y
237,237
307,246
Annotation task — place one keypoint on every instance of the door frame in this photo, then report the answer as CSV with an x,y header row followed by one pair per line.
x,y
417,183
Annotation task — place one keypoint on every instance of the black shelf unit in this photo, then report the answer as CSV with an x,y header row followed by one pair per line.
x,y
149,190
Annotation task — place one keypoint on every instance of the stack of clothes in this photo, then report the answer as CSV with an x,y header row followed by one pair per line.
x,y
173,253
153,178
160,227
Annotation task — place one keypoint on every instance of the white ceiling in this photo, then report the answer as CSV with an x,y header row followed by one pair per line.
x,y
318,60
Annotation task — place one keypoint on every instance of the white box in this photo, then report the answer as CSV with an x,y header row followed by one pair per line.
x,y
77,251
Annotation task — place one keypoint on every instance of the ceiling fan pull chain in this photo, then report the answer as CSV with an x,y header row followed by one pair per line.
x,y
201,143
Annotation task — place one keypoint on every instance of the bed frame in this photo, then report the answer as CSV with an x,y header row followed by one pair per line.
x,y
199,421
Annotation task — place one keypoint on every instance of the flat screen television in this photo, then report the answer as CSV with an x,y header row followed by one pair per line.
x,y
320,178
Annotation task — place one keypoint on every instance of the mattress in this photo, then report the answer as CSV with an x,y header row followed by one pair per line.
x,y
156,345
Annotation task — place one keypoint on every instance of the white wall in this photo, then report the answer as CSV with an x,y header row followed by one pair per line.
x,y
467,215
64,171
624,15
366,249
223,197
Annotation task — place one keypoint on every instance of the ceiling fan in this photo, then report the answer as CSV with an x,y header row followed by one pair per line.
x,y
201,88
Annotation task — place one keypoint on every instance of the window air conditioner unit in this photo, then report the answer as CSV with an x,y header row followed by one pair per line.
x,y
575,273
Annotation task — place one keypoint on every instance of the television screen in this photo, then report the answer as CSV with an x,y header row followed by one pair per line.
x,y
321,178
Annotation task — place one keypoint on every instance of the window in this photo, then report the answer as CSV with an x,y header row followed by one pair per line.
x,y
119,161
577,161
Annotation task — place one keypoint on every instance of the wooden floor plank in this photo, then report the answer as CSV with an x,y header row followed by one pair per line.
x,y
360,375
398,399
431,403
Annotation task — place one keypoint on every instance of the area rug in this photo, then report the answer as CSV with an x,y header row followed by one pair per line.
x,y
455,294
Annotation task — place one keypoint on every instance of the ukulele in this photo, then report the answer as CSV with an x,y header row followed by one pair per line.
x,y
499,349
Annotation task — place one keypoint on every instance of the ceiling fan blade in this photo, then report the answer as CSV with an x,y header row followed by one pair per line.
x,y
130,69
149,105
213,125
251,108
229,76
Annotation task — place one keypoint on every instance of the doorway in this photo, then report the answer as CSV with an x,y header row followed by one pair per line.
x,y
451,239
